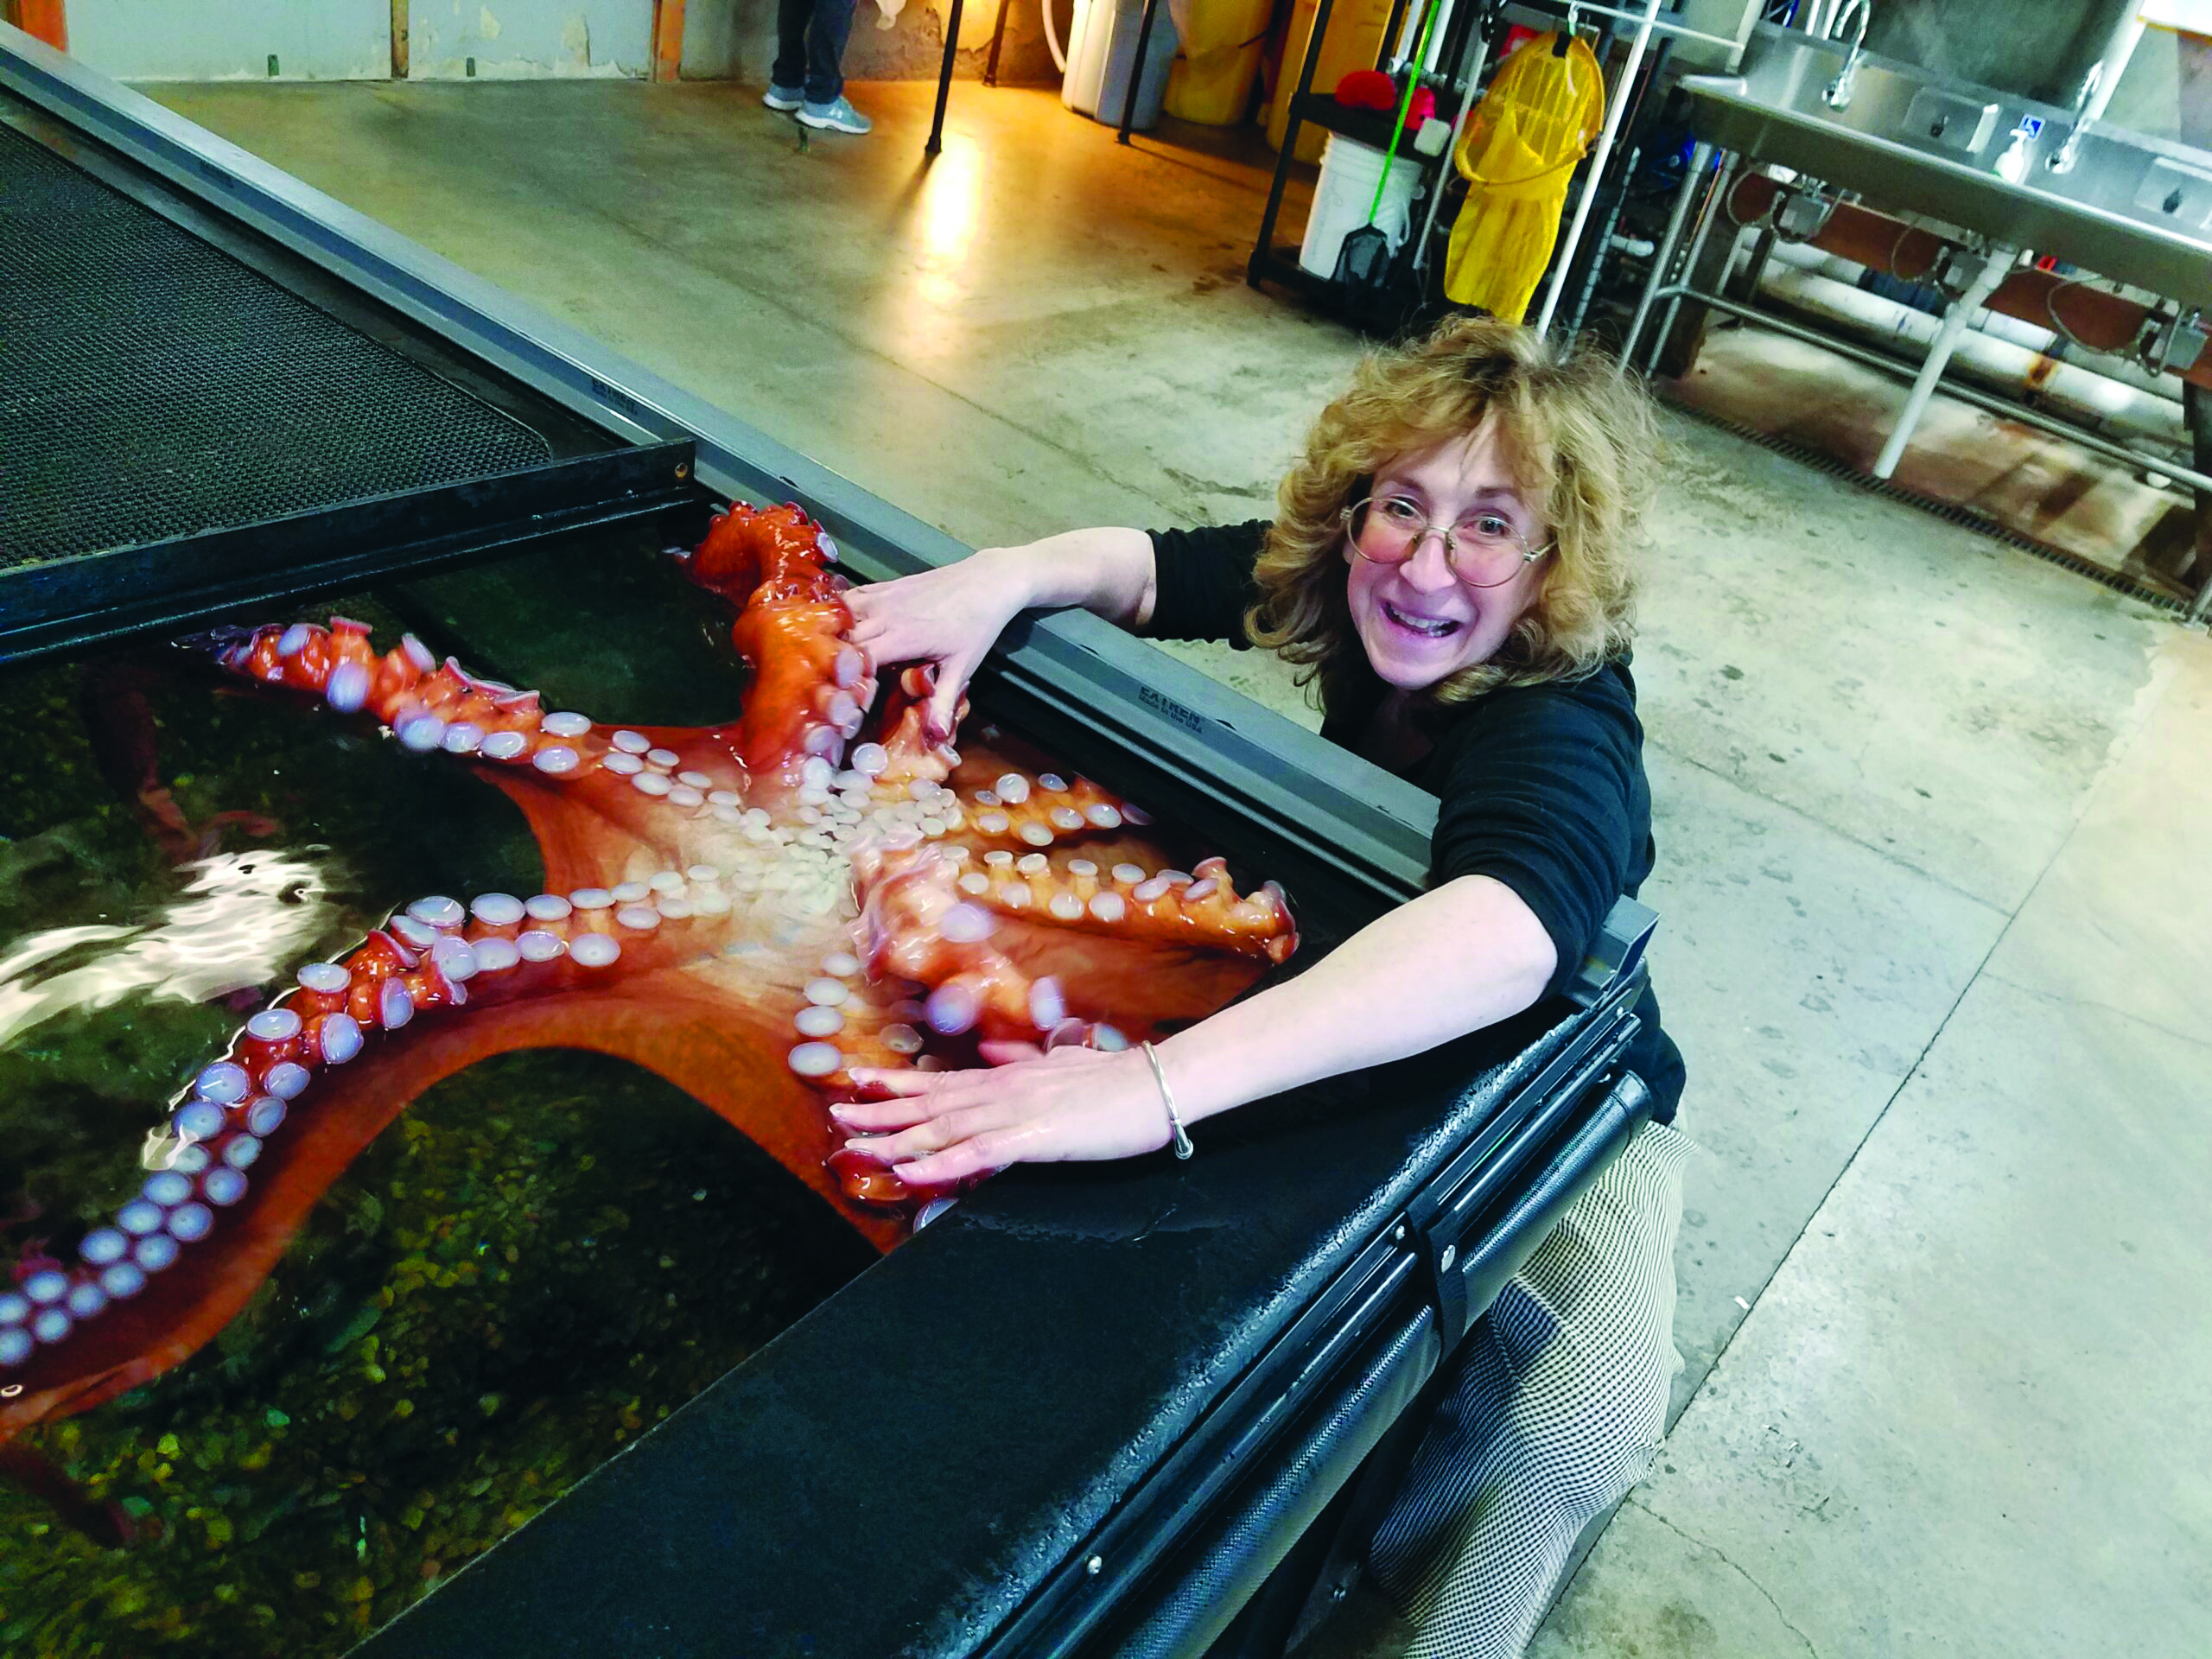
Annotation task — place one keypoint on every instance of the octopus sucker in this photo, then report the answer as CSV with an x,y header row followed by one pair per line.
x,y
752,910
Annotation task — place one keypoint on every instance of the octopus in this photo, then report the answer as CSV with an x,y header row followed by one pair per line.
x,y
750,910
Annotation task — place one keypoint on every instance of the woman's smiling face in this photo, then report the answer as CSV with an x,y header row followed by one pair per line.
x,y
1419,621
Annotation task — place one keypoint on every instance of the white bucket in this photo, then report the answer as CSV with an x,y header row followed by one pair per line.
x,y
1345,192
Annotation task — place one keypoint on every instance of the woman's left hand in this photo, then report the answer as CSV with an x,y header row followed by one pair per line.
x,y
1073,1104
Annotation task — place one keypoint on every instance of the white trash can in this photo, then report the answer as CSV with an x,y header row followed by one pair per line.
x,y
1345,192
1103,50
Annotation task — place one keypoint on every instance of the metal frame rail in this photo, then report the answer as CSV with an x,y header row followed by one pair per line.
x,y
70,603
1405,1302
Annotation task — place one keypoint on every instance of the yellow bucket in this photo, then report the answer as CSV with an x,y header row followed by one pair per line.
x,y
1353,40
1212,80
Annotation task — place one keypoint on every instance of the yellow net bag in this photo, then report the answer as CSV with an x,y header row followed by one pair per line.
x,y
1518,155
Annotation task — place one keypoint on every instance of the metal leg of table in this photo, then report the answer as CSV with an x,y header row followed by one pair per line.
x,y
1716,206
1136,72
998,40
944,81
1998,267
1663,257
1744,285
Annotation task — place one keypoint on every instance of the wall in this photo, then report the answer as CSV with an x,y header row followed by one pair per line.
x,y
337,40
351,39
512,40
2039,48
735,40
2042,50
232,40
2167,91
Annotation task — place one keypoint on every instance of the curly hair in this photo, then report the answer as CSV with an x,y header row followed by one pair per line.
x,y
1583,446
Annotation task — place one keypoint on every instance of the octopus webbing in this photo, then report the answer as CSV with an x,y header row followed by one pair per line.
x,y
749,909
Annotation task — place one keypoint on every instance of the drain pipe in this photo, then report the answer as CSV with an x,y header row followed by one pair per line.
x,y
2010,350
1052,37
2097,400
1996,265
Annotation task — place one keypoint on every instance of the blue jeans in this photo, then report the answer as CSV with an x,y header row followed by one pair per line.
x,y
810,46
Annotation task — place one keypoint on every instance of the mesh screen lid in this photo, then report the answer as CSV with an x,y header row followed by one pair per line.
x,y
152,386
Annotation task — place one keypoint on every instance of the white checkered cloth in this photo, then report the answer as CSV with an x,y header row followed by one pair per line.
x,y
1555,1407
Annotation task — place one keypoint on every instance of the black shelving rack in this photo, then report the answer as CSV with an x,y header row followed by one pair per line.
x,y
1467,27
1469,36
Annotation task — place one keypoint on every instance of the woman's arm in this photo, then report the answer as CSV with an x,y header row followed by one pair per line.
x,y
952,615
1466,955
1463,957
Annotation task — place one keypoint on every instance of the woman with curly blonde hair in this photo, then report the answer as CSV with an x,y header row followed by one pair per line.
x,y
1452,563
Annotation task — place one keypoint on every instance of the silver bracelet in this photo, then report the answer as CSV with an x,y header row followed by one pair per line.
x,y
1183,1147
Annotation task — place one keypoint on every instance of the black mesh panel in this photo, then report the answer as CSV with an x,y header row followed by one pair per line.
x,y
152,387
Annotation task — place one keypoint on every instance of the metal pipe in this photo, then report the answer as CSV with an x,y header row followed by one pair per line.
x,y
2002,326
998,40
2098,402
1452,144
1716,206
936,143
1995,268
1678,30
1564,257
1437,34
1664,256
2100,319
1137,74
2000,406
1596,265
2112,65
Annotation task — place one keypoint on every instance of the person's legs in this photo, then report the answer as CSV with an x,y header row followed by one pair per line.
x,y
787,76
1557,1407
825,50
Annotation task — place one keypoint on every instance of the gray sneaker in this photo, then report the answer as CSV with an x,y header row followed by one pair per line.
x,y
838,116
785,98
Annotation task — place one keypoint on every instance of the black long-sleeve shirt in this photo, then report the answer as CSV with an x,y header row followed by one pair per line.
x,y
1539,787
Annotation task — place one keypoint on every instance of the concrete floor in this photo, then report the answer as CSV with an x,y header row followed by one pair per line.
x,y
1933,825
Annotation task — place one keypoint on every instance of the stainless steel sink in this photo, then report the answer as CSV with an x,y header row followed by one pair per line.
x,y
2136,208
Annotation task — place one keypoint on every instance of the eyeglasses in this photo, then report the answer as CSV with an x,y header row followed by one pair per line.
x,y
1487,551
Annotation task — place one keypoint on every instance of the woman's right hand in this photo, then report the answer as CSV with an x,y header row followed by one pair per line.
x,y
949,617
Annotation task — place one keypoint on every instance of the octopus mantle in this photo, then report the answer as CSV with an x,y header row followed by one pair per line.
x,y
749,910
